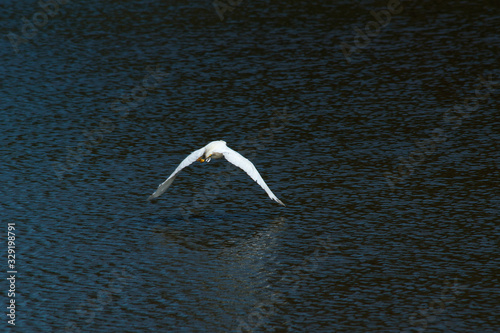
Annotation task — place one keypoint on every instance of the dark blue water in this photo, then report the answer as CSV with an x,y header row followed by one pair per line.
x,y
379,131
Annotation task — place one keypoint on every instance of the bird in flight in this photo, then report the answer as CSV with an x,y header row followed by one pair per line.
x,y
217,149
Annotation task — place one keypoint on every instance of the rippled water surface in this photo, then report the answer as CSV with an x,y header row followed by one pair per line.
x,y
385,153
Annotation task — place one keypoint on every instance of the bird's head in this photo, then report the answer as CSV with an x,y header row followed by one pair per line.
x,y
206,159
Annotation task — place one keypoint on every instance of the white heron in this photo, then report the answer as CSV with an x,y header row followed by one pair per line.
x,y
217,149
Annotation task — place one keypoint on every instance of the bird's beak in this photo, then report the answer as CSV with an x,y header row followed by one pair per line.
x,y
200,159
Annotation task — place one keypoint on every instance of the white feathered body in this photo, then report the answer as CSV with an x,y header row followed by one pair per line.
x,y
217,149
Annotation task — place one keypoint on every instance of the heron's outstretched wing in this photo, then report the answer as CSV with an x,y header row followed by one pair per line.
x,y
187,161
237,159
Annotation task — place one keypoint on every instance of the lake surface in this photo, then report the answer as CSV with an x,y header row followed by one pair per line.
x,y
377,125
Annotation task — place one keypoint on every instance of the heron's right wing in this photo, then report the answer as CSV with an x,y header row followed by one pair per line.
x,y
187,161
242,162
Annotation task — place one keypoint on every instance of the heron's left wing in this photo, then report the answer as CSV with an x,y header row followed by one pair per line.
x,y
237,159
187,161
